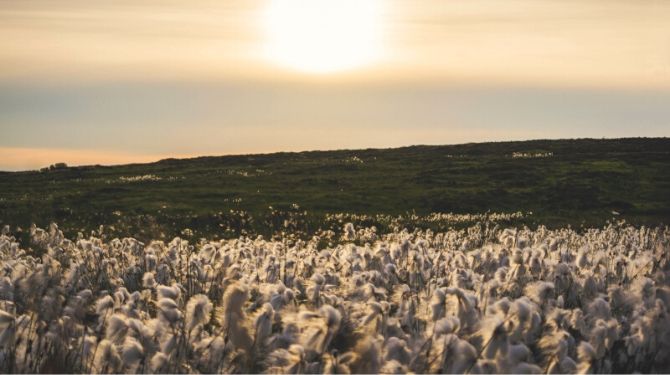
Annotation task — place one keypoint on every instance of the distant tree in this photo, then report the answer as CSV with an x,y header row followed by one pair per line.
x,y
54,167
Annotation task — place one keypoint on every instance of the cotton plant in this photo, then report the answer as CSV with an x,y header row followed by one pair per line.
x,y
480,299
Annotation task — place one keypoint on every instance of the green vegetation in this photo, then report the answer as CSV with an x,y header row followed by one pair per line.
x,y
576,182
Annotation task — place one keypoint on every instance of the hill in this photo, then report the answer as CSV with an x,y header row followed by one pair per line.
x,y
577,182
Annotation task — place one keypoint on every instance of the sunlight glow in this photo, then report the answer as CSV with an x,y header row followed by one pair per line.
x,y
323,36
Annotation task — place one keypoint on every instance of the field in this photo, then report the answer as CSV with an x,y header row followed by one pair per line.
x,y
513,257
469,301
566,182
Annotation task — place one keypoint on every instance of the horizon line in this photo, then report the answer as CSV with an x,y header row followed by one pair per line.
x,y
145,159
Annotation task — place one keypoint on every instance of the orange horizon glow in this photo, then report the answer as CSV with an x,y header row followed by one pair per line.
x,y
24,158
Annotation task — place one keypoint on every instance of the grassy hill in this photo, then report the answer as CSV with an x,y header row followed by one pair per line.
x,y
577,182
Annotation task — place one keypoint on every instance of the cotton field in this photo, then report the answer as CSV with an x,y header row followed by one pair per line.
x,y
482,300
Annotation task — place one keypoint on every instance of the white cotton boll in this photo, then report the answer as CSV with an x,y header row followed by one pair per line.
x,y
522,309
578,322
332,316
349,232
148,280
103,305
500,307
613,330
462,304
135,297
169,310
116,328
154,327
217,350
357,281
518,353
567,366
6,289
163,274
369,356
7,330
526,368
585,355
320,329
85,295
232,316
107,359
50,306
151,262
582,261
602,336
486,366
590,287
277,300
131,353
437,305
535,265
560,302
393,367
396,252
198,311
396,349
527,254
289,296
288,361
288,335
235,297
599,309
554,346
644,287
374,310
167,342
461,356
447,325
562,269
6,319
121,295
172,292
263,324
208,273
89,346
539,291
143,332
207,252
159,363
491,337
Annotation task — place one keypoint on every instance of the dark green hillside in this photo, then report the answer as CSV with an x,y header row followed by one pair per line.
x,y
577,182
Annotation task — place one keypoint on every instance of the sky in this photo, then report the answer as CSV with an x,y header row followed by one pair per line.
x,y
109,82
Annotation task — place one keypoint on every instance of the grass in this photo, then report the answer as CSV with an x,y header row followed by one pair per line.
x,y
580,184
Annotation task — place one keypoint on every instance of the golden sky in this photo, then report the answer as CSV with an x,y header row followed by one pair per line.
x,y
349,69
585,42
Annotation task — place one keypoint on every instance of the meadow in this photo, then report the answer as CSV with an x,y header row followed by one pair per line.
x,y
479,300
554,183
511,257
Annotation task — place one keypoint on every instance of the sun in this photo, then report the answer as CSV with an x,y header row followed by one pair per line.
x,y
323,36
